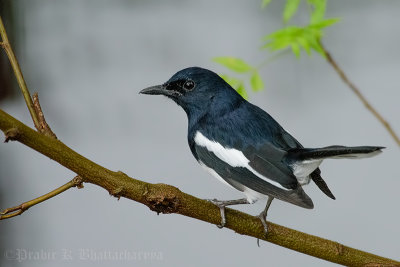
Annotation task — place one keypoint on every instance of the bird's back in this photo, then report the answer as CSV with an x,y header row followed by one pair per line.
x,y
245,125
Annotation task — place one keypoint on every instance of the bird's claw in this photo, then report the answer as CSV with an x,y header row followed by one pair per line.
x,y
221,206
264,223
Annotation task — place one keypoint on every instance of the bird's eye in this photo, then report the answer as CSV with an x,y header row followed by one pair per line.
x,y
188,85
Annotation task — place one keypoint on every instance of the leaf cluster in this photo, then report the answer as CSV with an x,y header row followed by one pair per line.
x,y
294,37
240,66
306,37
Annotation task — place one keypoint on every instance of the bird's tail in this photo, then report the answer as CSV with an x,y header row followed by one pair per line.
x,y
355,152
305,161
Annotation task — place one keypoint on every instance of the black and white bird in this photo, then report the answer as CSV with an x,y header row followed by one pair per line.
x,y
243,146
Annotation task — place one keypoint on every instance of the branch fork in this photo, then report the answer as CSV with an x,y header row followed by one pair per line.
x,y
43,126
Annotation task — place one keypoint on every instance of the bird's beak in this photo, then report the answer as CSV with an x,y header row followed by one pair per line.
x,y
154,90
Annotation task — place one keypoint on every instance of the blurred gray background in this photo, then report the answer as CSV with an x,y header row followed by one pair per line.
x,y
88,60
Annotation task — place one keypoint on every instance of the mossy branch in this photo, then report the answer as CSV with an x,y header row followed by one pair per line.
x,y
163,198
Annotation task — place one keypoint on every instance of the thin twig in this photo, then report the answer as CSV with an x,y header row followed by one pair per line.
x,y
44,127
18,210
358,93
18,74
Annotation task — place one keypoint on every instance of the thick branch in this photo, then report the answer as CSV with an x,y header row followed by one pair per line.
x,y
164,198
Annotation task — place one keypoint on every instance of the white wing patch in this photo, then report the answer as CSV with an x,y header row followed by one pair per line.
x,y
231,156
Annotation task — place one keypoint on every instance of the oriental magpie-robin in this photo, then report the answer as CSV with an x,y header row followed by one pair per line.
x,y
243,146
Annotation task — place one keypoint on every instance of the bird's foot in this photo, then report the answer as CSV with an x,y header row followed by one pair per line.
x,y
263,220
221,205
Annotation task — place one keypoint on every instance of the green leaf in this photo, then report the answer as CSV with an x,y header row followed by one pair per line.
x,y
305,44
242,91
297,38
290,9
256,82
325,23
265,3
318,12
318,48
296,49
233,63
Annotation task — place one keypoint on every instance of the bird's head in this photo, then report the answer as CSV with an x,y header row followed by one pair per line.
x,y
196,90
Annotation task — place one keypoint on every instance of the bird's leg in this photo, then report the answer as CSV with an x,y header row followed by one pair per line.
x,y
221,204
263,214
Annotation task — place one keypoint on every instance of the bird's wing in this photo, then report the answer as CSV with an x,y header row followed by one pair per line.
x,y
267,161
260,170
283,140
273,131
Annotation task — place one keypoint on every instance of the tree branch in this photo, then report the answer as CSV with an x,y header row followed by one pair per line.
x,y
18,74
164,198
43,126
18,210
360,96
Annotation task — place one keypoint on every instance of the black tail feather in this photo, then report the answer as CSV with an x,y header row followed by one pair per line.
x,y
334,152
316,177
